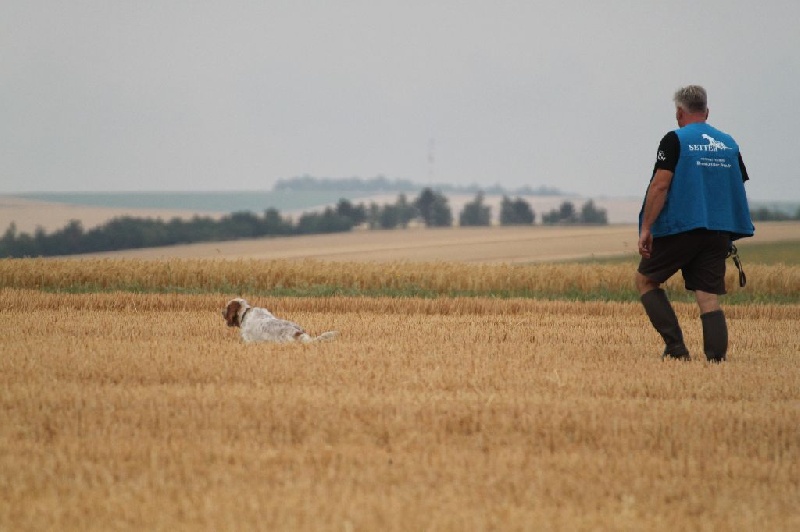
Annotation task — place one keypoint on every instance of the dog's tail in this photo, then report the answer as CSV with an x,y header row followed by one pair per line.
x,y
324,337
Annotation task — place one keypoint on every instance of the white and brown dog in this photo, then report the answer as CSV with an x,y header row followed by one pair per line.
x,y
260,325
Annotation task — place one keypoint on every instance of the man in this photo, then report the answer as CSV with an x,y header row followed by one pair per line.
x,y
694,207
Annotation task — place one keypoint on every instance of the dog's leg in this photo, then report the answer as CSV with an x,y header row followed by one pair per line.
x,y
326,336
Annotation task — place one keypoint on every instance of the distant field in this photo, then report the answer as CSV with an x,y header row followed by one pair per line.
x,y
252,200
755,252
771,252
29,214
479,245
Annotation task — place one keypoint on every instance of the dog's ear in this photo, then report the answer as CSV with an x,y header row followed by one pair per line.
x,y
232,314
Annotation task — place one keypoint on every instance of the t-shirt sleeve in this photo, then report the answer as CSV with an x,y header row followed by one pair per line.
x,y
669,150
742,167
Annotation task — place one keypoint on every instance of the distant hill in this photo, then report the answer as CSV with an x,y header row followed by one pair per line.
x,y
200,202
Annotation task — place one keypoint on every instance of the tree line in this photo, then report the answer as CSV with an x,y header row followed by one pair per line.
x,y
765,214
430,208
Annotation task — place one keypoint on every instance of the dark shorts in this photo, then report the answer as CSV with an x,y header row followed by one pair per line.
x,y
699,254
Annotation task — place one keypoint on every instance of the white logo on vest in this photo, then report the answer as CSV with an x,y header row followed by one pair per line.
x,y
713,145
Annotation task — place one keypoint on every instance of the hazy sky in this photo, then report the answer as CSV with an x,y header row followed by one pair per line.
x,y
118,95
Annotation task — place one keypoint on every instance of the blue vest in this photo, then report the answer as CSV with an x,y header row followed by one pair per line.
x,y
706,191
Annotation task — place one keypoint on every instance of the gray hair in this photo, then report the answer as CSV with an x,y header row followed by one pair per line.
x,y
692,98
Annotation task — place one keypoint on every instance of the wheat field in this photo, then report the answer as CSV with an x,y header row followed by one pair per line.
x,y
272,277
125,411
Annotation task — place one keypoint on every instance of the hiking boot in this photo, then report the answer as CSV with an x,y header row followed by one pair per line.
x,y
715,336
663,318
676,354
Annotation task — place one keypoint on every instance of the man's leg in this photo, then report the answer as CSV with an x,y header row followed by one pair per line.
x,y
662,317
707,278
715,328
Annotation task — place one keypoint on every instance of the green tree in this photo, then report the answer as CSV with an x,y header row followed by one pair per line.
x,y
374,215
590,214
326,222
565,214
425,205
765,214
405,211
8,243
357,213
442,214
475,213
516,212
242,224
68,240
274,224
389,217
434,209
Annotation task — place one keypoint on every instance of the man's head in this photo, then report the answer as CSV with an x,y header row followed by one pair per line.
x,y
691,105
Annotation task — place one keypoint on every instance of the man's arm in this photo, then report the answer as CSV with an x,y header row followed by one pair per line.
x,y
653,203
743,168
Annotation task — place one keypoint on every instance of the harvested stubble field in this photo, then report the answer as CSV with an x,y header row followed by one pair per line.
x,y
249,277
123,408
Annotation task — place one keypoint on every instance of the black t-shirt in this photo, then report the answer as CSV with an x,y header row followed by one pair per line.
x,y
669,150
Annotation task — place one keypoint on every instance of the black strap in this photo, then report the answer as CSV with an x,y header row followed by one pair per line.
x,y
733,252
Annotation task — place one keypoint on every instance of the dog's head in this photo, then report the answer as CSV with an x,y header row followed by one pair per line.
x,y
234,312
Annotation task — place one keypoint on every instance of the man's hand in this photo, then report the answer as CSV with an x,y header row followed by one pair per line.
x,y
653,203
645,243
